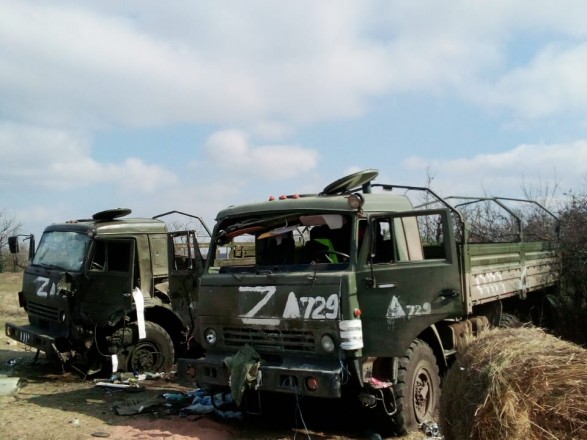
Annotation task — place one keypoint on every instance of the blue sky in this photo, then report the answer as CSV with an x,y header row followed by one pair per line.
x,y
195,106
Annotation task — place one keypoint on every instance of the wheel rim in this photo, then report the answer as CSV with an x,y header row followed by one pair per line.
x,y
145,357
423,392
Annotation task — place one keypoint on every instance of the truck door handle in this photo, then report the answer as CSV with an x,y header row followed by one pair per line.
x,y
449,293
373,284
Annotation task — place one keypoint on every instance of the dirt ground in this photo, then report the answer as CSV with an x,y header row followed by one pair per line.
x,y
52,404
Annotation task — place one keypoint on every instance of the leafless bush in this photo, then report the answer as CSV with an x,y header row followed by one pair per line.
x,y
8,226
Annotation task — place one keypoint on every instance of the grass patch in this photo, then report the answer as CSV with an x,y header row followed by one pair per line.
x,y
10,285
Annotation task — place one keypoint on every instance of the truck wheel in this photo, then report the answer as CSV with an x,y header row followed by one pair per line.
x,y
153,354
507,320
418,388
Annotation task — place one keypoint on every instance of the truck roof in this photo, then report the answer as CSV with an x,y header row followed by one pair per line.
x,y
114,226
374,202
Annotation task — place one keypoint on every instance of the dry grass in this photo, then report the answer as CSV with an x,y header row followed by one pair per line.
x,y
10,285
514,384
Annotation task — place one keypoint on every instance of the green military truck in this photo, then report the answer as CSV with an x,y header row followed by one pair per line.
x,y
101,295
356,291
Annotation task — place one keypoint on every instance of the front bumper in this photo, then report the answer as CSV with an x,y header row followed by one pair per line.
x,y
292,375
31,336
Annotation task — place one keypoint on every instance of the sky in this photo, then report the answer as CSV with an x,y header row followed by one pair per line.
x,y
195,106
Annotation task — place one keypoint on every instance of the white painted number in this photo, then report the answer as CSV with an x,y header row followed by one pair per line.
x,y
311,307
396,311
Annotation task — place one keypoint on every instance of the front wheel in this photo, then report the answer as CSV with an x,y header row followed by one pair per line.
x,y
153,354
418,388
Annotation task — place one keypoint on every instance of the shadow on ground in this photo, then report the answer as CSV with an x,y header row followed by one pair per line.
x,y
47,386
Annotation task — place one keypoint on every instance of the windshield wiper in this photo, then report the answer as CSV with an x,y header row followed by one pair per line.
x,y
228,269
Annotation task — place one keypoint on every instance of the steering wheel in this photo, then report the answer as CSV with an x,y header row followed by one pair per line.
x,y
327,252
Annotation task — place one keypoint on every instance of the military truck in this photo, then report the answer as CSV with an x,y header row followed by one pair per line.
x,y
100,293
359,290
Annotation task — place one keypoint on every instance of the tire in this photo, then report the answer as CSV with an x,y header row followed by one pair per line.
x,y
153,354
507,320
417,391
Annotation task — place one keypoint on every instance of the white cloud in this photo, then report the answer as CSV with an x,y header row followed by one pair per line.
x,y
229,150
62,64
49,159
553,82
506,173
103,64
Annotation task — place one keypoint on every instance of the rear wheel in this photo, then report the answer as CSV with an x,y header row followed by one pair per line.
x,y
507,320
418,388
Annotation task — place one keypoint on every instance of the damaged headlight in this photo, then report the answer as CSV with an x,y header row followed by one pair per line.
x,y
210,336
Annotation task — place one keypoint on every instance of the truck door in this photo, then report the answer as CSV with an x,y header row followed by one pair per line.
x,y
410,279
111,270
186,264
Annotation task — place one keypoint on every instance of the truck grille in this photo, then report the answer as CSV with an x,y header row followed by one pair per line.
x,y
43,311
270,339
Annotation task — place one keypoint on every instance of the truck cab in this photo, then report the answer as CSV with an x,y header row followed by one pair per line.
x,y
96,293
353,288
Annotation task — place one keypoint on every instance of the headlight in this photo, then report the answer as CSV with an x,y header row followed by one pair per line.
x,y
210,336
355,201
327,343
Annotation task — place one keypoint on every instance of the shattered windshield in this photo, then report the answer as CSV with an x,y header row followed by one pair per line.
x,y
62,250
279,241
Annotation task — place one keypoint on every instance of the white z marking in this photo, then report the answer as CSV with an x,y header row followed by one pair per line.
x,y
269,291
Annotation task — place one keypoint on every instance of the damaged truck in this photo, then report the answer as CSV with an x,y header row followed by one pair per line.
x,y
365,290
99,295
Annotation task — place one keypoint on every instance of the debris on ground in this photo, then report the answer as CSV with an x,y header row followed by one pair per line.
x,y
431,430
516,383
195,402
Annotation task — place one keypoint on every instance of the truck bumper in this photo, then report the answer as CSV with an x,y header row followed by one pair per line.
x,y
30,335
301,376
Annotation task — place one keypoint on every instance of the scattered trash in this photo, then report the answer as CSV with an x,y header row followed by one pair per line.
x,y
176,397
198,408
136,406
74,422
112,385
123,381
431,430
100,434
221,404
9,386
153,376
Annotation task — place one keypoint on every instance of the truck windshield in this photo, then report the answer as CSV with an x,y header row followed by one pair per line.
x,y
62,249
318,240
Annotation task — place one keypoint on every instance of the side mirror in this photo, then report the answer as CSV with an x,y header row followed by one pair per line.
x,y
13,245
32,246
